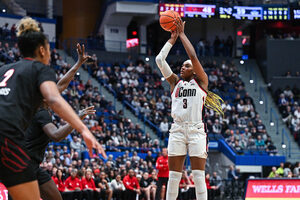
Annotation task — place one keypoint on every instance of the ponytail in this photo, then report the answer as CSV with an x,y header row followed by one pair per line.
x,y
214,102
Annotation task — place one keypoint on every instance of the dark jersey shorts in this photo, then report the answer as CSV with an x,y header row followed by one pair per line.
x,y
20,97
41,175
16,165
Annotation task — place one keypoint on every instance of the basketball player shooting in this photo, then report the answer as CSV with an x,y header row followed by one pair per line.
x,y
189,96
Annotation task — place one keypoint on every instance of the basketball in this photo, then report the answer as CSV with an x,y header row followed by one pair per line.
x,y
167,20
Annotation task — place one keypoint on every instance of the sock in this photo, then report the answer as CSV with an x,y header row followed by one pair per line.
x,y
200,185
173,185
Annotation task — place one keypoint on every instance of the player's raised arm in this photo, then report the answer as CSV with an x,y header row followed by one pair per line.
x,y
162,63
63,109
58,134
198,69
64,82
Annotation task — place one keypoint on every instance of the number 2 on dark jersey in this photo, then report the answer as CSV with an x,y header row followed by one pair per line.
x,y
184,103
7,76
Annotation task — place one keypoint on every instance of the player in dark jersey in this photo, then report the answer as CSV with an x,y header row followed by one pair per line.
x,y
23,85
42,130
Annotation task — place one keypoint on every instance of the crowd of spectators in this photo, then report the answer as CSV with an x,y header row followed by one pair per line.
x,y
288,102
141,87
285,170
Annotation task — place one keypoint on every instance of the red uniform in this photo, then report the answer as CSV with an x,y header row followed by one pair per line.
x,y
207,184
131,183
59,184
72,183
162,166
88,184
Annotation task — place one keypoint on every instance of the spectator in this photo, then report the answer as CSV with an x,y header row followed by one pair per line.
x,y
102,184
59,182
216,181
118,187
260,143
132,186
208,186
280,169
60,62
232,173
163,172
73,186
296,170
164,127
145,186
287,169
273,173
184,192
88,186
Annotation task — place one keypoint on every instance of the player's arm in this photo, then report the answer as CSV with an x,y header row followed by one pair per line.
x,y
198,69
63,109
64,82
58,134
162,63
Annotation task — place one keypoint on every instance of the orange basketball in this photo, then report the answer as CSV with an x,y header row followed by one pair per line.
x,y
167,20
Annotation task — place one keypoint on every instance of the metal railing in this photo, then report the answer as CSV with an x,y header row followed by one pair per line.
x,y
272,123
263,99
285,135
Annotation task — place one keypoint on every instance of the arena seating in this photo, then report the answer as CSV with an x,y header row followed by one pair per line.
x,y
288,102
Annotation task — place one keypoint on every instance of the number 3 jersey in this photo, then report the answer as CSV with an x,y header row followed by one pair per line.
x,y
188,101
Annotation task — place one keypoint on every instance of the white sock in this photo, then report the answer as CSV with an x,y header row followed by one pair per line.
x,y
173,185
200,185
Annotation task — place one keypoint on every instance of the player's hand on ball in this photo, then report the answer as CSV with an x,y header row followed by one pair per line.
x,y
174,36
82,57
87,111
180,26
92,143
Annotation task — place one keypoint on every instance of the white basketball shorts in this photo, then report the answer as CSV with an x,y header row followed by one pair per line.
x,y
187,138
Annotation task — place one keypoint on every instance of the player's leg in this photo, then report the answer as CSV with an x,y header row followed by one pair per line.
x,y
197,145
198,170
16,170
25,191
177,150
49,191
47,186
175,166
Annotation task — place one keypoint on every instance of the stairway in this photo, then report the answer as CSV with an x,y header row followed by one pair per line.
x,y
249,70
109,97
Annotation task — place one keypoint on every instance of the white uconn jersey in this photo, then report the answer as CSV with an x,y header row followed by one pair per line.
x,y
188,101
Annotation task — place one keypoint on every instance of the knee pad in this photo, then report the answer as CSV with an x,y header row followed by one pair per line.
x,y
173,184
199,179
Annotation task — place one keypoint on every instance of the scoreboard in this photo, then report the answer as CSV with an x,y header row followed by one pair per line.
x,y
296,13
234,12
189,10
276,13
199,10
246,12
169,6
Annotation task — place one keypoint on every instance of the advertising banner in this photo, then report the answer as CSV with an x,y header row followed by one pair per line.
x,y
273,189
